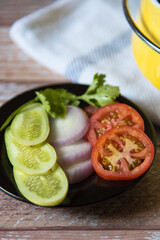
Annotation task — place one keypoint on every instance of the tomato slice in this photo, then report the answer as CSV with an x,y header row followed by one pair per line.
x,y
109,116
122,153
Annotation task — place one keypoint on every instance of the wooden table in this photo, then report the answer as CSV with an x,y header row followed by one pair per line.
x,y
135,214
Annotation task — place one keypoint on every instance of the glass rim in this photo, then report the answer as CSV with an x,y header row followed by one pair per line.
x,y
137,31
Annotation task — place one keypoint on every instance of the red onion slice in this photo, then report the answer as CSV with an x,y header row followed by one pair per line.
x,y
80,150
78,171
65,131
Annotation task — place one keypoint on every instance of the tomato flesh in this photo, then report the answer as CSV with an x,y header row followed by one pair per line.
x,y
122,153
109,116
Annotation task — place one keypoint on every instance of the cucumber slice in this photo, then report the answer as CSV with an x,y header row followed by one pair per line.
x,y
31,160
46,190
31,125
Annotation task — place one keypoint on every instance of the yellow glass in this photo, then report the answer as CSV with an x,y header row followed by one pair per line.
x,y
149,23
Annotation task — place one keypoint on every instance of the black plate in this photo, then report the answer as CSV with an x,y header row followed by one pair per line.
x,y
90,191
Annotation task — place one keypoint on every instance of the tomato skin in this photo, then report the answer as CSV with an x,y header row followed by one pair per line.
x,y
124,173
90,110
121,110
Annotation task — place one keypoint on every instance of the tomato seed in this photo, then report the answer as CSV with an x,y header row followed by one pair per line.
x,y
132,166
100,131
106,164
135,164
116,168
140,145
113,143
110,116
128,121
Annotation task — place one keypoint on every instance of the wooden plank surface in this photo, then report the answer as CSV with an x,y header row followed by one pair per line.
x,y
137,208
82,235
134,214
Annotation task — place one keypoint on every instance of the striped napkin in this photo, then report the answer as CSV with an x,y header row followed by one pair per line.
x,y
78,38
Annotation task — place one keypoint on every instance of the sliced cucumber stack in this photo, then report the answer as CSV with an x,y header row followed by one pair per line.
x,y
38,177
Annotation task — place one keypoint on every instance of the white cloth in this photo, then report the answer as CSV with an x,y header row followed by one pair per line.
x,y
78,38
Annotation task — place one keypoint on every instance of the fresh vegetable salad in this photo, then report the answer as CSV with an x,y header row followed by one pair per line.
x,y
52,142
